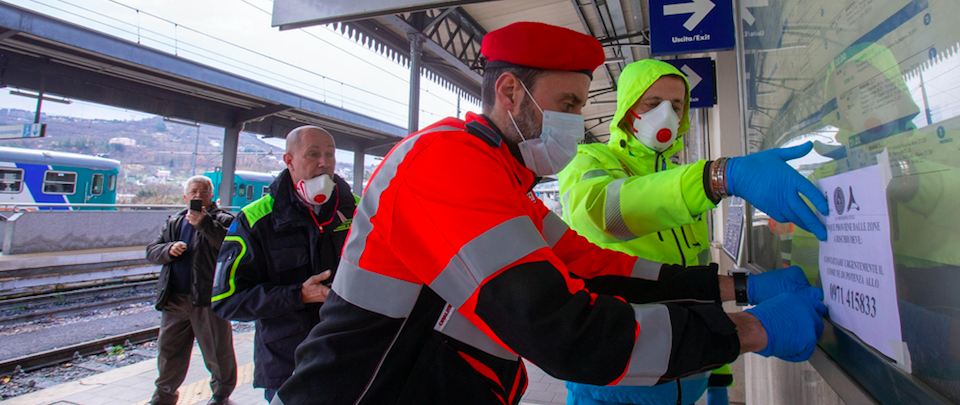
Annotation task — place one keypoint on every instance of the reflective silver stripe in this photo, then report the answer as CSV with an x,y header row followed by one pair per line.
x,y
646,269
612,218
651,352
370,202
374,292
704,258
484,255
460,328
553,229
566,205
593,174
697,376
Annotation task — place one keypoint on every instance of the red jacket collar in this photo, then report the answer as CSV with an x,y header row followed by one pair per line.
x,y
524,175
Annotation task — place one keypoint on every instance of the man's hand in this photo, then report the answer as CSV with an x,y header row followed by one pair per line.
x,y
769,284
313,291
765,180
792,324
195,217
177,249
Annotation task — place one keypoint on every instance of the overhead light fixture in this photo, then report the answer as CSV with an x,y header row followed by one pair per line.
x,y
45,98
175,121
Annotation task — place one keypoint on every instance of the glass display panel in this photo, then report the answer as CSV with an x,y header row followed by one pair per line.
x,y
871,83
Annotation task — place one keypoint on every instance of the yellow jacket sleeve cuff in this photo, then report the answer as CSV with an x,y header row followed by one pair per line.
x,y
694,196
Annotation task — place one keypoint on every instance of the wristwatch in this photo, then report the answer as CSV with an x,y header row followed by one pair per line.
x,y
739,285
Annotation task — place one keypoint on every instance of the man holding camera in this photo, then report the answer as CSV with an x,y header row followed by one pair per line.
x,y
187,247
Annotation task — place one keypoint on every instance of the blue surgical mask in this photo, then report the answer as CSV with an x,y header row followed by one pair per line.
x,y
557,144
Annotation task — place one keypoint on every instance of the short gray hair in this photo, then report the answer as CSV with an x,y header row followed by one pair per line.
x,y
197,179
293,138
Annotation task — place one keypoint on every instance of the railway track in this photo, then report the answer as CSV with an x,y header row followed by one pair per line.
x,y
62,304
61,355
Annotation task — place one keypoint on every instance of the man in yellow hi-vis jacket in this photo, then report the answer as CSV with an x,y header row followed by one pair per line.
x,y
627,196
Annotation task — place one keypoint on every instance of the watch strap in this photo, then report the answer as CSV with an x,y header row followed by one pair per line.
x,y
740,288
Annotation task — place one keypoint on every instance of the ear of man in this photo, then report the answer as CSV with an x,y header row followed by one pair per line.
x,y
509,92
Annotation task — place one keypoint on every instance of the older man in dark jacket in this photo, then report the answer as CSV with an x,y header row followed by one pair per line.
x,y
276,263
187,247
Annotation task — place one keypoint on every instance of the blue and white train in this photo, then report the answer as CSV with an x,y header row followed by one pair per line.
x,y
40,176
248,186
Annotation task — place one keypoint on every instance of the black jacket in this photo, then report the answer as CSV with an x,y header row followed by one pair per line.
x,y
271,249
204,253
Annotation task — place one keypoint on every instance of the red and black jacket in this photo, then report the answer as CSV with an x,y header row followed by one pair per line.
x,y
454,270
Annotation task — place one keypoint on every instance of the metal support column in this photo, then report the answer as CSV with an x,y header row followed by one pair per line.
x,y
744,124
358,169
231,139
416,51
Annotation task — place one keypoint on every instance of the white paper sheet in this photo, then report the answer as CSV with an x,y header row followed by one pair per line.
x,y
856,261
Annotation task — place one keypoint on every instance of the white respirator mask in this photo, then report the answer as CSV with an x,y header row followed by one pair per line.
x,y
317,190
657,128
557,145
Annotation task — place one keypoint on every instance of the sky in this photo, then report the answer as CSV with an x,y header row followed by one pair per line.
x,y
236,36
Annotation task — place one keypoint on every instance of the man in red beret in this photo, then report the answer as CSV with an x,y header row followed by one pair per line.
x,y
454,269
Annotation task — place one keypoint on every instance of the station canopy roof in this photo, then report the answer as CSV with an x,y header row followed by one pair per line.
x,y
452,32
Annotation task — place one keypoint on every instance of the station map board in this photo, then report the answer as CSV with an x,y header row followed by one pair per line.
x,y
875,84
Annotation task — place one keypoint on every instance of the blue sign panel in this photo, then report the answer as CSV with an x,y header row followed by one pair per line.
x,y
687,26
22,131
701,76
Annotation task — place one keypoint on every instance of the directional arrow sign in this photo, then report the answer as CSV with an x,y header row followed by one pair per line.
x,y
22,131
699,8
687,26
746,14
701,76
692,77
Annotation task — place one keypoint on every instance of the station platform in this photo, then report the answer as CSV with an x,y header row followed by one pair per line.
x,y
134,384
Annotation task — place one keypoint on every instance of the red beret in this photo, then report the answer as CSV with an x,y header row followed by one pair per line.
x,y
542,46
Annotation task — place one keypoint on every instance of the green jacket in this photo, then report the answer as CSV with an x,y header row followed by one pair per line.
x,y
626,197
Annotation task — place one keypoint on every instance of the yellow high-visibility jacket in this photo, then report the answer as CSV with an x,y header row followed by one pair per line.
x,y
626,197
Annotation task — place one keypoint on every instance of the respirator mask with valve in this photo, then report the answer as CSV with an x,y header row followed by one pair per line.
x,y
657,128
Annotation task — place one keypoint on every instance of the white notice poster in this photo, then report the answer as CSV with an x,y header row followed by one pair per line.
x,y
856,261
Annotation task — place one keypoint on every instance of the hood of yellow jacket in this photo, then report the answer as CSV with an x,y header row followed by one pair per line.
x,y
635,79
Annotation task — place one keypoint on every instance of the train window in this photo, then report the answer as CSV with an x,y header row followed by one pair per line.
x,y
249,192
242,190
112,182
96,185
266,190
64,183
11,180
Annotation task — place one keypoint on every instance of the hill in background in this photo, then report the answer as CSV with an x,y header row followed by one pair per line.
x,y
154,147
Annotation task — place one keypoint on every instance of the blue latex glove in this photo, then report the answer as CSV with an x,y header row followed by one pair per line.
x,y
793,326
769,284
765,180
